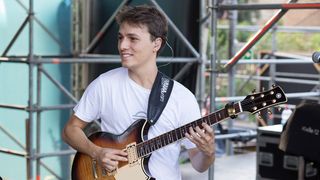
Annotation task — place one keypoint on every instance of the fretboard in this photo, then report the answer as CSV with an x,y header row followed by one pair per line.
x,y
148,146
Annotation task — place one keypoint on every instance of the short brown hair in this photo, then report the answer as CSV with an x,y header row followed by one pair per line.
x,y
145,15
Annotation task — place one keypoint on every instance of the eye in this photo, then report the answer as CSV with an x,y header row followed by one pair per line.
x,y
134,39
120,37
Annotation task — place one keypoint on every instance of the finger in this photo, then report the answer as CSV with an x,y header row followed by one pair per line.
x,y
207,128
109,162
119,158
206,136
201,132
196,136
109,168
121,152
189,137
118,155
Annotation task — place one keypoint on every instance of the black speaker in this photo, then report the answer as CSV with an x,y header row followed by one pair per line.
x,y
301,133
274,164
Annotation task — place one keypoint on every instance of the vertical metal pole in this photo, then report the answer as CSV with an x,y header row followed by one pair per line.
x,y
213,58
202,51
30,152
273,66
38,123
233,17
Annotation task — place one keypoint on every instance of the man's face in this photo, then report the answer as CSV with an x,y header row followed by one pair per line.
x,y
135,46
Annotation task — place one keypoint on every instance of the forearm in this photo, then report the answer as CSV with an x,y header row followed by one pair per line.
x,y
200,161
76,138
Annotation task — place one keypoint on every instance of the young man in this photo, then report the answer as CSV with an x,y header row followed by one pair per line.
x,y
119,97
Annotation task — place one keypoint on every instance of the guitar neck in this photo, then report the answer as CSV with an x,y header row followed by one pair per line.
x,y
147,147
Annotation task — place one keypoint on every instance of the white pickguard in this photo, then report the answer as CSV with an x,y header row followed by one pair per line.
x,y
135,172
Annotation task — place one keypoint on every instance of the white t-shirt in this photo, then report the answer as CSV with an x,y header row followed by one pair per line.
x,y
119,101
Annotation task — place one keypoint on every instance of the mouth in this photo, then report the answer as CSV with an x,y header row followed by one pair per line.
x,y
126,55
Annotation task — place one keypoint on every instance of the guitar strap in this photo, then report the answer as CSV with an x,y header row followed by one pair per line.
x,y
159,96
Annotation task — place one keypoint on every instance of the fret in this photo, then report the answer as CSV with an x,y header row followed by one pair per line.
x,y
210,119
170,138
179,135
193,125
199,121
152,145
158,142
174,135
183,131
219,115
162,140
167,138
206,120
147,148
141,149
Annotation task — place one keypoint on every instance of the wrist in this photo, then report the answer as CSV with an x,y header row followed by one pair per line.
x,y
95,151
208,154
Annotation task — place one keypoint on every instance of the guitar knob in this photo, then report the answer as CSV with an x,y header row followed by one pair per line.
x,y
273,85
263,88
269,111
253,91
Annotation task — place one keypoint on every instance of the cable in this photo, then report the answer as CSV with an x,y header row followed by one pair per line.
x,y
172,54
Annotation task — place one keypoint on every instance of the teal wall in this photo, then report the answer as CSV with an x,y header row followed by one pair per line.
x,y
56,16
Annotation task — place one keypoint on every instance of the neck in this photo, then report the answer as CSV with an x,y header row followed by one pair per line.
x,y
144,77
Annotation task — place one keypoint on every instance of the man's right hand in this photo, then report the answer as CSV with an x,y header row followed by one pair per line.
x,y
109,158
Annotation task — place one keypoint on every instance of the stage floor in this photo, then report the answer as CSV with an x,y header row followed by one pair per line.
x,y
239,167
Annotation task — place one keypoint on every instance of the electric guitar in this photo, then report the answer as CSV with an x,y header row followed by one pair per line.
x,y
134,140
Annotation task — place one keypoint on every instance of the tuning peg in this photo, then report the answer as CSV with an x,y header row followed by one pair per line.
x,y
273,85
253,91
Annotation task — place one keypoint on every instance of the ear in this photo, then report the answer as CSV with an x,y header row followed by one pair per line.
x,y
157,44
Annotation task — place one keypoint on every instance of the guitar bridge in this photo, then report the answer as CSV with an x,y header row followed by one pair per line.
x,y
133,158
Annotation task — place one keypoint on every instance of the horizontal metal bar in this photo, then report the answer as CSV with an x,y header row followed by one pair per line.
x,y
302,94
250,133
14,60
278,79
268,6
13,152
60,153
298,75
304,29
289,95
94,59
57,107
270,61
116,59
18,107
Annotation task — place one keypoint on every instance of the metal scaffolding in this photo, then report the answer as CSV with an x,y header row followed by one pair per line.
x,y
82,45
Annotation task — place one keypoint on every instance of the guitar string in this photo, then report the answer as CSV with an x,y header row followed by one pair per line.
x,y
187,126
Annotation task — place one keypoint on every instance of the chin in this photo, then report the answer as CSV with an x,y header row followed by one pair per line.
x,y
126,65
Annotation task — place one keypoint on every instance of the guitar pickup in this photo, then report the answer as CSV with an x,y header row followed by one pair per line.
x,y
132,154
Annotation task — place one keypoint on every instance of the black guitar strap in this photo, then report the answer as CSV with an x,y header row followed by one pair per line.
x,y
159,96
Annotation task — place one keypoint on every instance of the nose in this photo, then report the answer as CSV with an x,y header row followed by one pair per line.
x,y
123,43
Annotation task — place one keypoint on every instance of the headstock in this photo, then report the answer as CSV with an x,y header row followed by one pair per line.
x,y
258,101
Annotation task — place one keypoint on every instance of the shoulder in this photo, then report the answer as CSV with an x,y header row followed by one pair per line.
x,y
182,96
114,74
181,91
108,78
